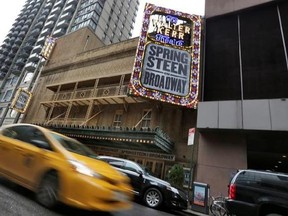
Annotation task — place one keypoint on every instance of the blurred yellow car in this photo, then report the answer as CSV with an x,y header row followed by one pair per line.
x,y
61,169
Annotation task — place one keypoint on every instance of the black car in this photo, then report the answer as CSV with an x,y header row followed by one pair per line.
x,y
154,191
258,193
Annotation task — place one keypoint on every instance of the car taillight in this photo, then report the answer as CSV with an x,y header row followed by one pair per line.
x,y
232,191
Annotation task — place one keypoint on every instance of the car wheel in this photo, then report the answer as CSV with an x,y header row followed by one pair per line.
x,y
47,193
153,198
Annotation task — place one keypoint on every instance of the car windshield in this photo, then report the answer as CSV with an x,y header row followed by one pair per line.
x,y
145,169
74,146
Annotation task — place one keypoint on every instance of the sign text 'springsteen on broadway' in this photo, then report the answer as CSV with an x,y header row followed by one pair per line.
x,y
167,60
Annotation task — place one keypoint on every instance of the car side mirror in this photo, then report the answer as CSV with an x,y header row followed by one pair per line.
x,y
140,173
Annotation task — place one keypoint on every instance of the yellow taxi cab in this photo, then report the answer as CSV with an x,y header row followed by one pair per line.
x,y
61,169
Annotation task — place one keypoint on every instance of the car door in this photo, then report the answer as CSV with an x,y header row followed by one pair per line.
x,y
7,142
134,172
31,154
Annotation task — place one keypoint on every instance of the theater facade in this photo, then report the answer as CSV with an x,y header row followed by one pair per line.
x,y
82,93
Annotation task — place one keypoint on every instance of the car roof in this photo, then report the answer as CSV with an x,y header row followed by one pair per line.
x,y
116,158
263,171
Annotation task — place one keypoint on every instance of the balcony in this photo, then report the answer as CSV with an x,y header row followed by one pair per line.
x,y
31,66
41,40
63,24
31,40
31,16
59,4
18,27
35,32
25,27
56,10
34,57
39,24
23,54
8,39
53,17
45,32
66,16
74,2
42,17
15,47
59,32
49,5
16,70
8,61
46,12
2,57
4,45
5,68
15,33
28,47
70,8
22,34
104,95
20,62
49,24
28,21
12,54
5,51
37,49
10,33
37,5
34,11
2,74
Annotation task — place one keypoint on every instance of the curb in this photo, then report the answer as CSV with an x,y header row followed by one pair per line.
x,y
191,212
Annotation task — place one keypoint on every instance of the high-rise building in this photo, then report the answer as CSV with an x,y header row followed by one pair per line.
x,y
112,21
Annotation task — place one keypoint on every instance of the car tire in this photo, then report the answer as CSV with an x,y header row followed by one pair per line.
x,y
153,198
47,192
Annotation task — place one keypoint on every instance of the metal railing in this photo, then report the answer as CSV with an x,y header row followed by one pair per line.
x,y
87,93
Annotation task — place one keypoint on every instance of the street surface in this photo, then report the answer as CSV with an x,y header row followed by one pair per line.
x,y
17,201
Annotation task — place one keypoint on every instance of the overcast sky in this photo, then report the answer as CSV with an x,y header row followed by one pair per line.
x,y
10,9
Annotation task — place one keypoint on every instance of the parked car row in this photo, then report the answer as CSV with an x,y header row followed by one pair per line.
x,y
258,193
61,169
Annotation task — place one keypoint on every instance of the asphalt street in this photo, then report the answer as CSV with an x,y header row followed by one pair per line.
x,y
17,201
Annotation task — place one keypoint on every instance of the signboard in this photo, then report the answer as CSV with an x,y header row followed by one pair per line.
x,y
48,47
200,197
21,100
191,135
167,62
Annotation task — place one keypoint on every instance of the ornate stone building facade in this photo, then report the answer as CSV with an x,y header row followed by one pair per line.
x,y
82,92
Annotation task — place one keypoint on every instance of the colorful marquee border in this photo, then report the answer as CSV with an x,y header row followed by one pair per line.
x,y
135,87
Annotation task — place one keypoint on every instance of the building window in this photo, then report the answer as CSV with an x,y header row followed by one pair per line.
x,y
146,119
118,118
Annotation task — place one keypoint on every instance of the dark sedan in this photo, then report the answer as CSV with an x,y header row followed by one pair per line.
x,y
154,191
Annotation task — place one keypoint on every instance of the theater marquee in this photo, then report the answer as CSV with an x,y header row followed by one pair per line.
x,y
167,60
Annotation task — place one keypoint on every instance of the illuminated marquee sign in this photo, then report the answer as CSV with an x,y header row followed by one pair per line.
x,y
21,100
167,62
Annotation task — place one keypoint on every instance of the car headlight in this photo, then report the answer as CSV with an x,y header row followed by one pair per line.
x,y
83,169
174,190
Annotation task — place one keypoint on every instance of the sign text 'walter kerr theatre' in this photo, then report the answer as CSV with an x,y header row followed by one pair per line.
x,y
167,61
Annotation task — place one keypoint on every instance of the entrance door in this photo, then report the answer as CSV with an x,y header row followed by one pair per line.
x,y
156,167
